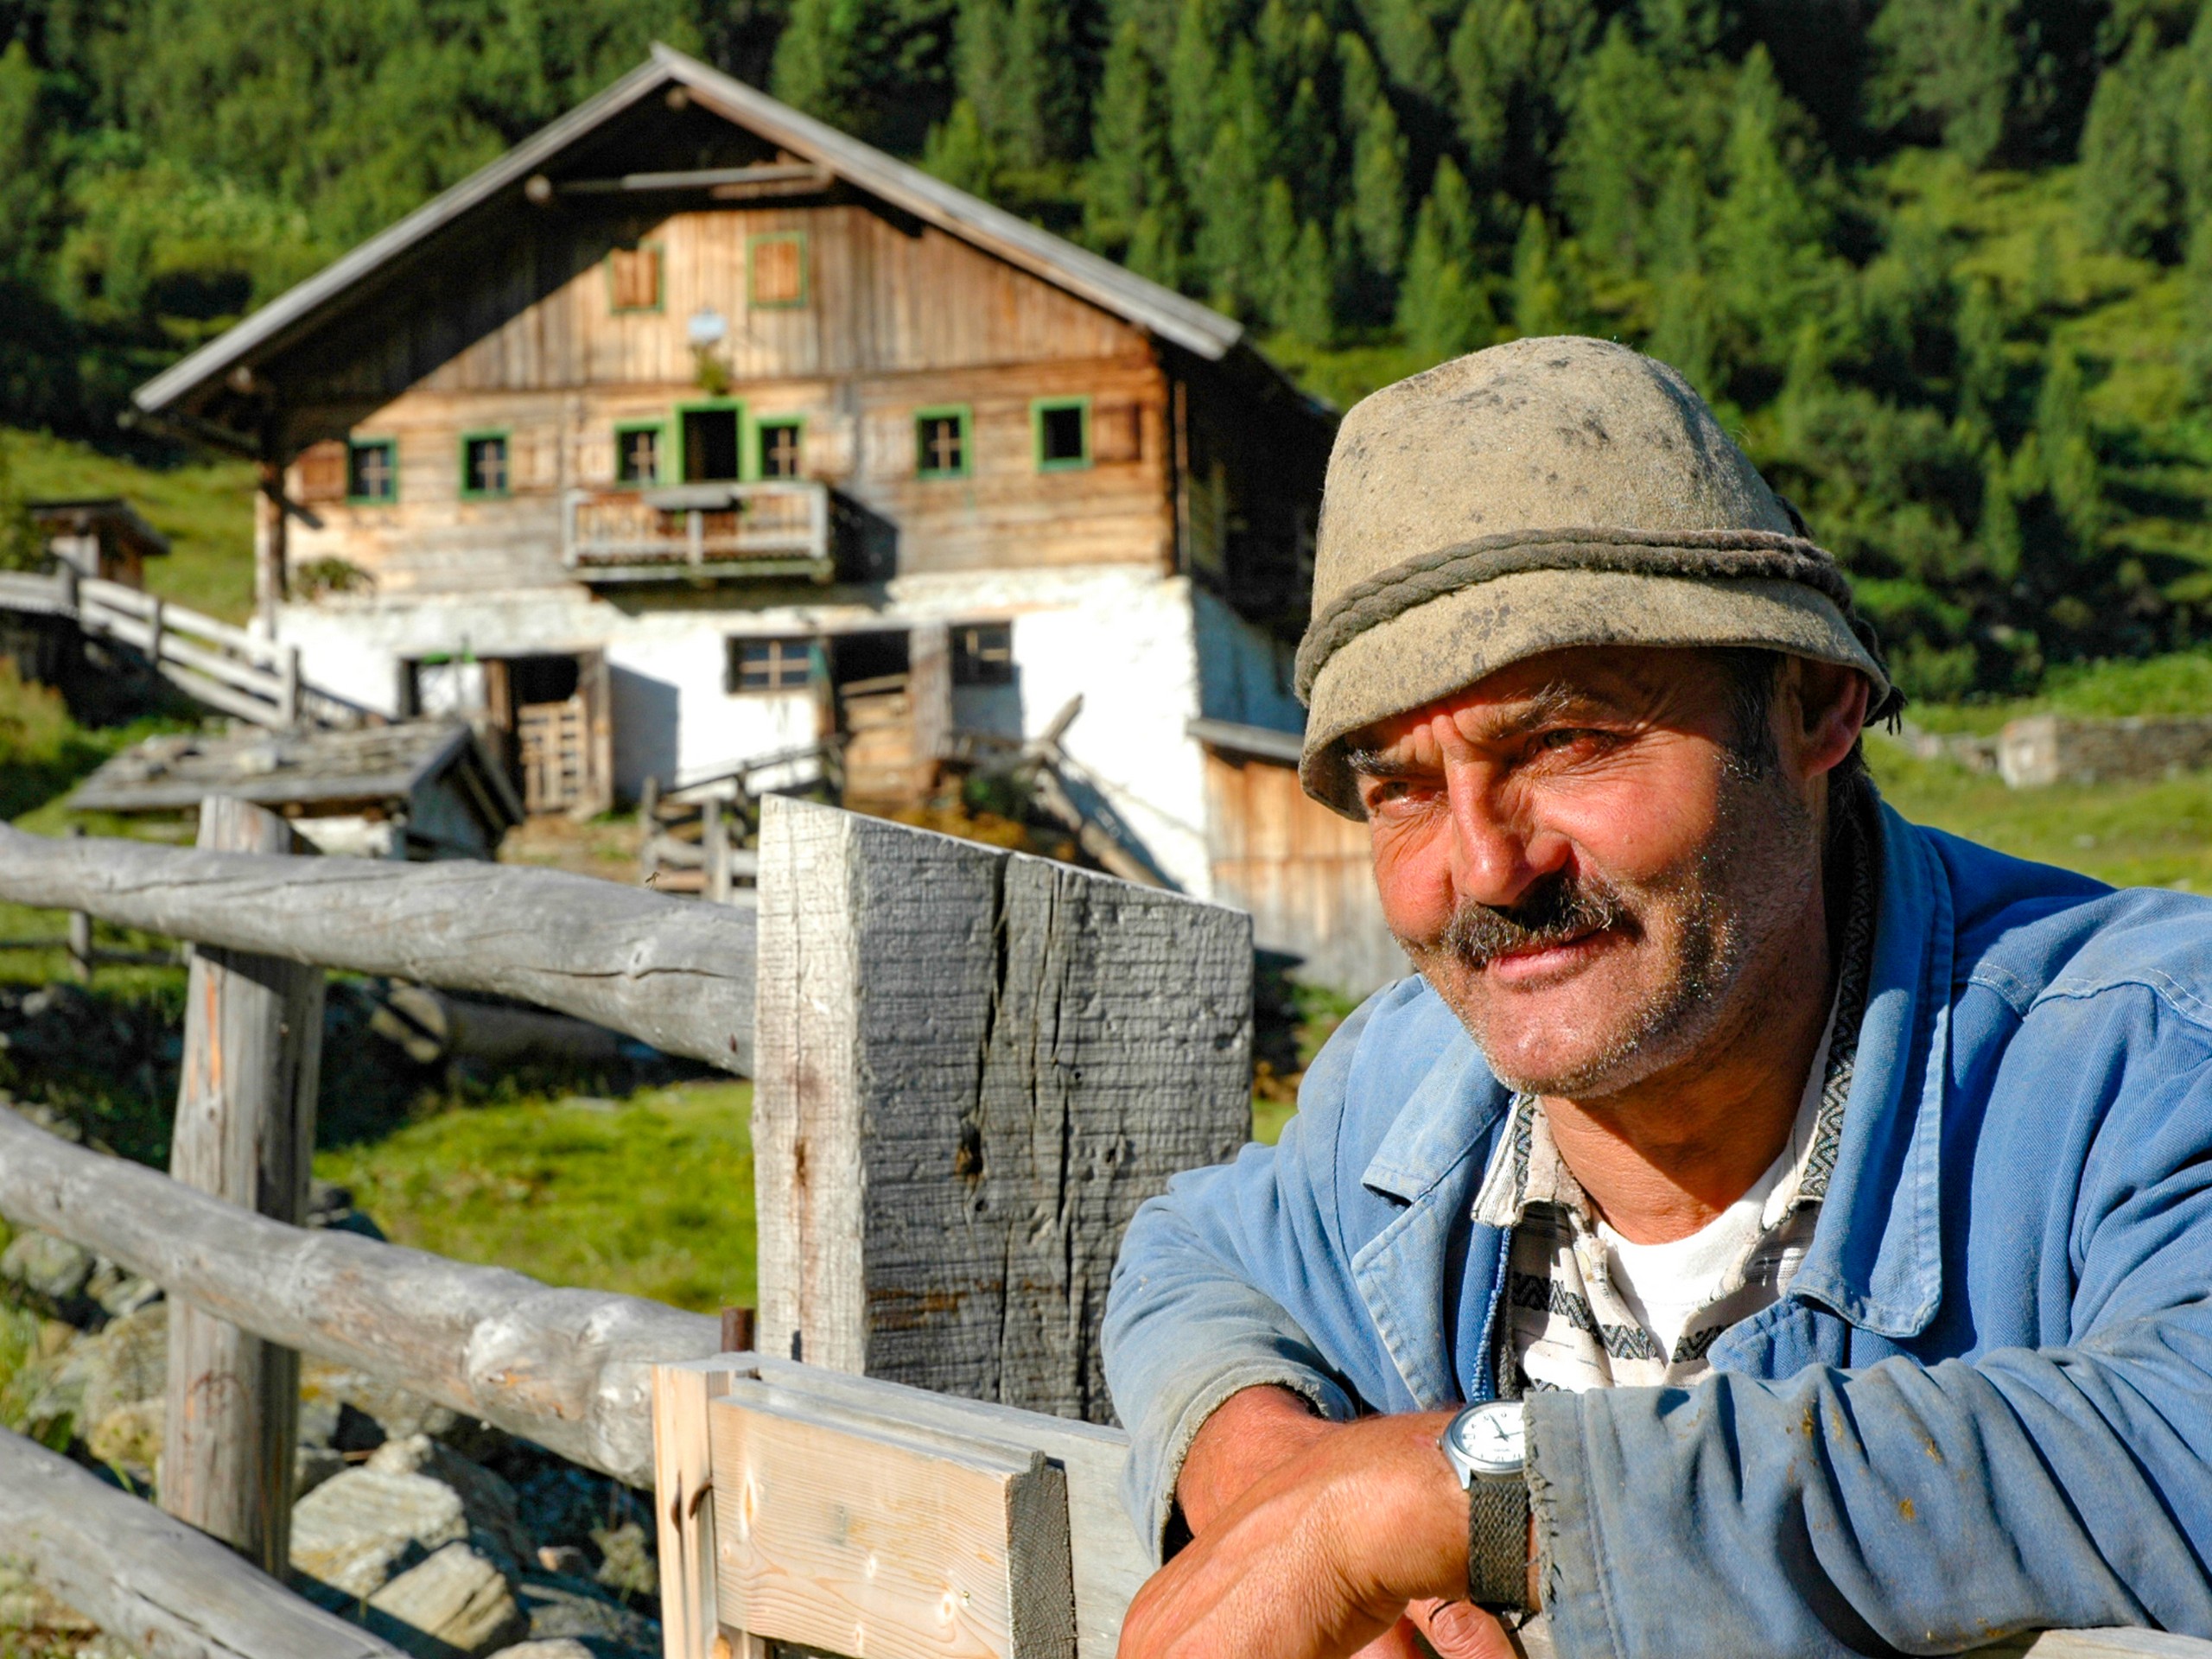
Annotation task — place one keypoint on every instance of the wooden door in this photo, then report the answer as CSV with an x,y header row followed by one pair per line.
x,y
553,739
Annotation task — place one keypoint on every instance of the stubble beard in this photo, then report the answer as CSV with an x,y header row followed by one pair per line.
x,y
1711,919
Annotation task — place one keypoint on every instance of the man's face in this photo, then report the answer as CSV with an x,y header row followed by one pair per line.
x,y
1578,859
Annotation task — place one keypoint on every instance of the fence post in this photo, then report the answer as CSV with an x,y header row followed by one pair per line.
x,y
288,687
713,846
82,959
970,1067
245,1132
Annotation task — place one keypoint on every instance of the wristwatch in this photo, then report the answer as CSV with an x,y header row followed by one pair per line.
x,y
1487,1447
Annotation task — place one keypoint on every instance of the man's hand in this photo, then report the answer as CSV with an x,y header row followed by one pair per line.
x,y
1250,1434
1320,1556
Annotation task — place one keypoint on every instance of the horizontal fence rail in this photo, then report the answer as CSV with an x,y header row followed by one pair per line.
x,y
570,1370
169,1590
672,973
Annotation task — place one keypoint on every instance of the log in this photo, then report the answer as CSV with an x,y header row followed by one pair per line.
x,y
150,1581
568,1369
675,975
433,1026
973,1066
244,1134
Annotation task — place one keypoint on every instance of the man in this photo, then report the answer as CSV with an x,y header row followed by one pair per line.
x,y
1825,1200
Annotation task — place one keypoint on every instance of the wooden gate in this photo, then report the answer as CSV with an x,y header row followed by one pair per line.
x,y
553,739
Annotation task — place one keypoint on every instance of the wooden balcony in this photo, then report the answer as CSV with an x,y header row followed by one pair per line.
x,y
699,532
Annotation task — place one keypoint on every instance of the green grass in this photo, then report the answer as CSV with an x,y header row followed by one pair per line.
x,y
204,507
652,1196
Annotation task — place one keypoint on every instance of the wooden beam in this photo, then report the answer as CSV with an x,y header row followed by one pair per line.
x,y
675,975
848,1534
568,1369
973,1066
153,1582
244,1134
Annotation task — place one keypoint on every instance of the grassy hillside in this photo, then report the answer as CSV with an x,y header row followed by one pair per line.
x,y
205,508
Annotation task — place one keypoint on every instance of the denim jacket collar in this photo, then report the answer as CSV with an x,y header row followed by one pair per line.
x,y
1877,1254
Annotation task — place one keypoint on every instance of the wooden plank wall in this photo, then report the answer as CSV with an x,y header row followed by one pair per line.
x,y
894,321
1303,872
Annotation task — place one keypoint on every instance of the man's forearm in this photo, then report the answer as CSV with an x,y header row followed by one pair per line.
x,y
1250,1434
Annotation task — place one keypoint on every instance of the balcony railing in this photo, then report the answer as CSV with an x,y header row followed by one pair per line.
x,y
699,532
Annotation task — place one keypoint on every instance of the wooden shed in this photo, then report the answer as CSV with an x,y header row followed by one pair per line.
x,y
418,790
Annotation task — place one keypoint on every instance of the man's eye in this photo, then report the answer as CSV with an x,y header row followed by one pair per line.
x,y
1565,738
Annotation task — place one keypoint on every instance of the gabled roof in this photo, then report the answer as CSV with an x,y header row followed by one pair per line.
x,y
1162,311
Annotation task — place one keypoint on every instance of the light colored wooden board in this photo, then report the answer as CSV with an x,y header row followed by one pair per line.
x,y
972,1067
865,1541
244,1134
169,1591
570,1370
683,1486
678,975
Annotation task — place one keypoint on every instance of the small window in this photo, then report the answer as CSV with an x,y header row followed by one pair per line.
x,y
941,443
780,448
633,278
1063,432
484,465
637,454
711,444
372,470
757,665
776,266
983,654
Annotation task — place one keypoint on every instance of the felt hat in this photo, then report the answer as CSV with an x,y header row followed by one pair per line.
x,y
1541,494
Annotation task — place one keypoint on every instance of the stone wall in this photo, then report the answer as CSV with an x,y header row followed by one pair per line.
x,y
2044,749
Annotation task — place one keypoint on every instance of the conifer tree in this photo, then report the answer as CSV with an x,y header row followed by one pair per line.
x,y
1378,161
1979,328
1998,532
1768,253
1951,63
2196,313
1442,308
1309,314
1041,105
1131,172
979,64
1542,304
1193,110
1492,54
1405,41
1276,279
1229,240
2125,190
1684,34
2192,121
1622,131
961,153
2067,447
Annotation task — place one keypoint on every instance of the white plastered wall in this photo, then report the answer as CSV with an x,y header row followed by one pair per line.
x,y
1124,638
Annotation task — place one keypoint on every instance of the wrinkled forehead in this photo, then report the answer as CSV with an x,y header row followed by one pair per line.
x,y
1634,686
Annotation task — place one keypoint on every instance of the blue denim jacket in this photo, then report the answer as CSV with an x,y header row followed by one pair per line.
x,y
1985,1404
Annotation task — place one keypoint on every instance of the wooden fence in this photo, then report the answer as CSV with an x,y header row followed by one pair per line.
x,y
226,668
969,1067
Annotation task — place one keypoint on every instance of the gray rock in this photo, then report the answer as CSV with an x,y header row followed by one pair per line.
x,y
488,1500
360,1528
577,1609
312,1466
109,1388
457,1600
561,1647
49,1268
119,1293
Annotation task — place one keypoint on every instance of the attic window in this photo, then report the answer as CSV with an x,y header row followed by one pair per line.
x,y
941,443
633,278
483,466
983,654
373,471
320,473
780,449
776,266
1062,431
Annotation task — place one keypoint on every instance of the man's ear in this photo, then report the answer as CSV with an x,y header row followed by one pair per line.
x,y
1821,715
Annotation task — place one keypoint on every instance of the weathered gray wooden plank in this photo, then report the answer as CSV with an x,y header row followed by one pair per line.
x,y
675,975
169,1591
244,1134
568,1369
973,1066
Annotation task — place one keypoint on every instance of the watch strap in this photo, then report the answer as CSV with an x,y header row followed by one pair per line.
x,y
1497,1542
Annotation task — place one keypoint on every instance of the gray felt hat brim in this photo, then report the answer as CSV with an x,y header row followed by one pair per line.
x,y
1450,642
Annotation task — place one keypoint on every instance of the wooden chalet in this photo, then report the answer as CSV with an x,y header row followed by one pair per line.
x,y
693,430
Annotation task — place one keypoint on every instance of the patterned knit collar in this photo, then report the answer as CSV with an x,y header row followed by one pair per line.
x,y
1528,1169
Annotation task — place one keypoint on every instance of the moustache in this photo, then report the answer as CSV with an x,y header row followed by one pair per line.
x,y
1561,907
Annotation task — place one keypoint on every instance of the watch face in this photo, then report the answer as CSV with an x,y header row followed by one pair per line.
x,y
1490,1438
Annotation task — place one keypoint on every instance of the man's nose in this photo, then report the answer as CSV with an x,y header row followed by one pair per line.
x,y
1496,853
